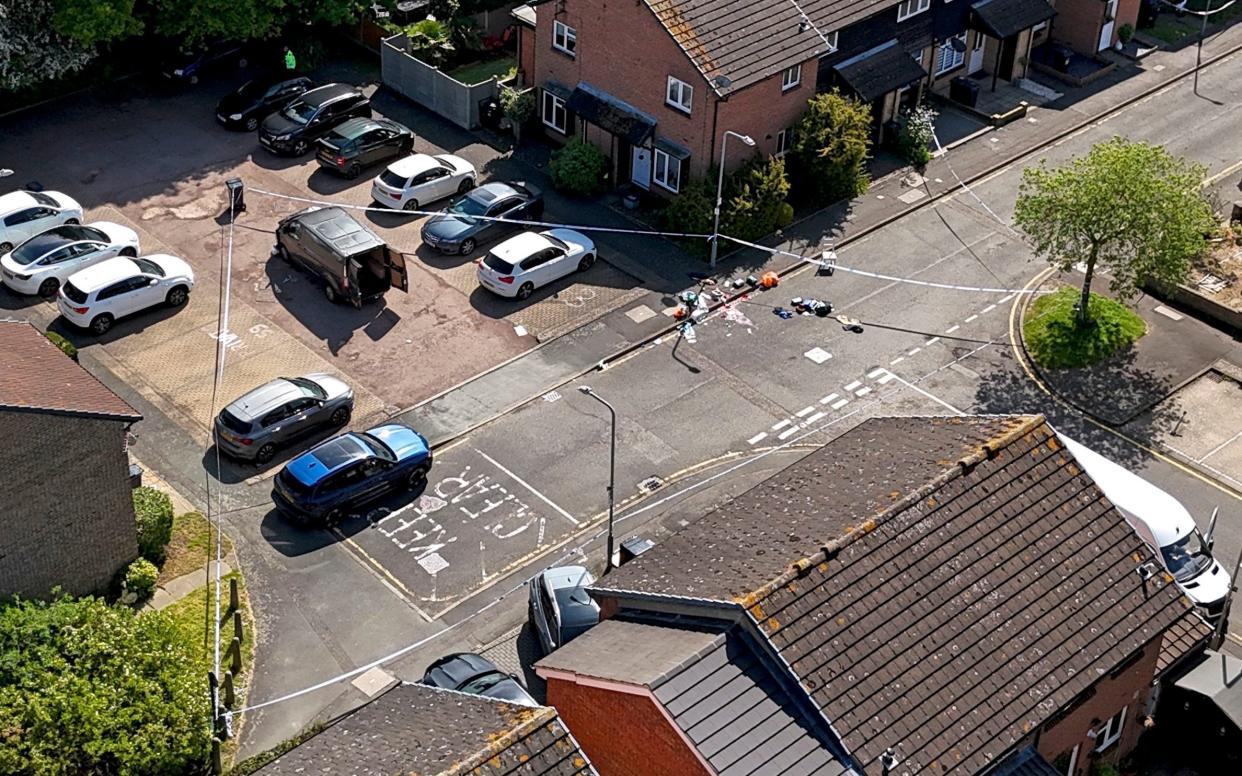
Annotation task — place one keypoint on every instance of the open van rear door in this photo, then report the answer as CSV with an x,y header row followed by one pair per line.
x,y
394,262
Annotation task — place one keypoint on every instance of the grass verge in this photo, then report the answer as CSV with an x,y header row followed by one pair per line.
x,y
478,72
187,550
1056,341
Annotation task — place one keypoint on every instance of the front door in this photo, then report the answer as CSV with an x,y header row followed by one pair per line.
x,y
1106,32
1009,50
640,166
976,54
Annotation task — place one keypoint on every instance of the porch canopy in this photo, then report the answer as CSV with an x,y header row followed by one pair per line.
x,y
1219,679
611,114
1003,18
874,73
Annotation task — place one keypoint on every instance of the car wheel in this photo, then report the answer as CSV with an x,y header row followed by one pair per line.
x,y
300,147
330,292
177,296
340,416
524,290
193,80
587,262
410,204
252,124
49,287
265,453
467,247
417,477
69,221
353,171
242,63
129,251
333,517
6,247
101,324
465,186
283,253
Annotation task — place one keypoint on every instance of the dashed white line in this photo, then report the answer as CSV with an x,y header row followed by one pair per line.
x,y
952,329
886,378
987,309
931,342
782,424
788,432
757,438
840,404
802,413
1006,299
828,398
526,485
971,318
815,417
912,352
896,361
853,385
874,373
863,391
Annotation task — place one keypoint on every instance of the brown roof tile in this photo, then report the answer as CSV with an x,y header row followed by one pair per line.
x,y
35,375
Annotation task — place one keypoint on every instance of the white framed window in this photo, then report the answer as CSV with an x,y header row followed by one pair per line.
x,y
784,141
666,170
912,8
1039,27
564,38
1110,733
679,94
831,41
948,57
791,77
553,112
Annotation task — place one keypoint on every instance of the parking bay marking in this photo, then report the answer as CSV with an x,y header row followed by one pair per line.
x,y
527,485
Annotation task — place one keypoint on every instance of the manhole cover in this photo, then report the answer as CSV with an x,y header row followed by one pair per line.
x,y
650,485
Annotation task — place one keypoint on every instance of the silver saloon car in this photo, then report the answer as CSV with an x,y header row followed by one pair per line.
x,y
277,413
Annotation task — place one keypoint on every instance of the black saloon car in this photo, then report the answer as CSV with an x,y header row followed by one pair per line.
x,y
458,230
257,99
470,673
311,116
361,142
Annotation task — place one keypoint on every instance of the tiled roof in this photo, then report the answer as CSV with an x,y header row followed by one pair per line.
x,y
972,581
424,731
36,376
1024,762
1183,637
1003,18
749,41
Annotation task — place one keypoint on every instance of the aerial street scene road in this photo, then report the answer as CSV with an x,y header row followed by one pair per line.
x,y
783,387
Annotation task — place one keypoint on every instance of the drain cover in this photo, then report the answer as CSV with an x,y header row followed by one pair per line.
x,y
650,485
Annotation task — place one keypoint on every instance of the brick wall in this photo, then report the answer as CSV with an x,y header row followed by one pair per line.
x,y
1077,24
68,515
526,56
619,729
1130,689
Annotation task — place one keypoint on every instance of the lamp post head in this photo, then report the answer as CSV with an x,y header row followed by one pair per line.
x,y
748,140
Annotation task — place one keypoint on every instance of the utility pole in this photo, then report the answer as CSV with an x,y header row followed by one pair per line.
x,y
612,471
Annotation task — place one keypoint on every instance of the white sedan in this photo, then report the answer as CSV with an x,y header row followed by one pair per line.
x,y
519,265
417,179
42,263
23,214
97,297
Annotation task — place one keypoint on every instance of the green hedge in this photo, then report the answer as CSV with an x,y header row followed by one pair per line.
x,y
140,578
753,205
578,168
66,347
153,510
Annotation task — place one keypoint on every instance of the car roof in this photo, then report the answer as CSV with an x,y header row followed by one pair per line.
x,y
354,127
453,670
339,229
328,92
414,164
16,200
490,192
256,403
105,273
312,466
567,577
521,246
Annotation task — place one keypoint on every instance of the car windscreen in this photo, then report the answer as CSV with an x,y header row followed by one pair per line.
x,y
468,206
74,294
558,243
299,111
233,423
43,199
390,178
481,684
379,448
39,245
500,265
253,90
149,267
1186,558
308,387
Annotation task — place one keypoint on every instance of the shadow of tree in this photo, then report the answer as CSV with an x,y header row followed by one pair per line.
x,y
1115,390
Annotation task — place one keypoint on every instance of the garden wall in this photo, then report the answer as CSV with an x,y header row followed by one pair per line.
x,y
424,84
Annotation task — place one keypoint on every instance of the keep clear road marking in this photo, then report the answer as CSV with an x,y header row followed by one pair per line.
x,y
757,438
526,485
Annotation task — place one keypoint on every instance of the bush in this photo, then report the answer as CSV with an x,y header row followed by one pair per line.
x,y
829,152
1056,340
1125,33
519,107
90,688
578,168
691,212
153,510
754,197
785,215
140,578
65,345
917,135
430,41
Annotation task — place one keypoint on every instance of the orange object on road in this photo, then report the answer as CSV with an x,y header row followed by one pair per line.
x,y
679,313
770,280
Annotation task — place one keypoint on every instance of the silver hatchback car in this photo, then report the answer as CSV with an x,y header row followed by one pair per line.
x,y
271,416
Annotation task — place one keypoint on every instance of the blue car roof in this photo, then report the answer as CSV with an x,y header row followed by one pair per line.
x,y
313,466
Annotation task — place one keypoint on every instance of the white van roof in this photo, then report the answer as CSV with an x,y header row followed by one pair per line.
x,y
1164,515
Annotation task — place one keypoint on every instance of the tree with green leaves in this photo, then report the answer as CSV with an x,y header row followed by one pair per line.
x,y
1128,208
754,199
31,50
88,688
828,158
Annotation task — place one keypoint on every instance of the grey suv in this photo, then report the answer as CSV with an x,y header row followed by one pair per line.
x,y
271,416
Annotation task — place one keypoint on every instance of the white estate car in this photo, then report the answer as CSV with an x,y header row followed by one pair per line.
x,y
417,179
519,265
42,263
23,214
98,296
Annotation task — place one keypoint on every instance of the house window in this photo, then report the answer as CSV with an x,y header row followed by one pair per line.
x,y
912,8
784,141
667,170
564,38
1108,735
948,57
553,113
679,95
831,40
791,77
1039,27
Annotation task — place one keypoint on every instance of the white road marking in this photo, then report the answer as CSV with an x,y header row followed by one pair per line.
x,y
802,413
987,309
840,404
874,373
886,378
828,398
931,396
971,318
896,361
931,342
912,352
952,329
528,486
863,391
782,424
788,432
853,385
815,417
757,438
1005,299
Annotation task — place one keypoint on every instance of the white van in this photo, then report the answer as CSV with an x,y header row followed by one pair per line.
x,y
1165,525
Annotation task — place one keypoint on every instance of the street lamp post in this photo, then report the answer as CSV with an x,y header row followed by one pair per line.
x,y
612,470
748,140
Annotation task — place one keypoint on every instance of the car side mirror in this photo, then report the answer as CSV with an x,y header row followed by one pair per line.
x,y
154,282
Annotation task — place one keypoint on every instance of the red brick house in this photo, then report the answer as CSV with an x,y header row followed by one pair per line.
x,y
921,595
1088,26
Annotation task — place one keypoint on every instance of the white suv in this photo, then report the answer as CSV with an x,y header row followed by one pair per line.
x,y
23,214
97,297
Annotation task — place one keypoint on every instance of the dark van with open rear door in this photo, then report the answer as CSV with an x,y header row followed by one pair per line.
x,y
350,260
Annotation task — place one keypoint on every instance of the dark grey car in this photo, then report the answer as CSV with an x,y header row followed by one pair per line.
x,y
475,674
560,607
275,414
458,229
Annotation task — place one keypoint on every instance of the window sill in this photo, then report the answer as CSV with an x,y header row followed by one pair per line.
x,y
683,111
790,88
555,128
664,186
949,71
564,52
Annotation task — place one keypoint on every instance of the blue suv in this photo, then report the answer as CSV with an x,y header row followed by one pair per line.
x,y
349,470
